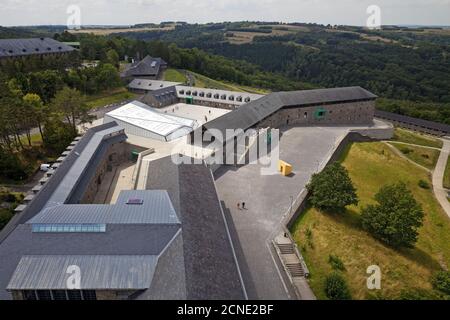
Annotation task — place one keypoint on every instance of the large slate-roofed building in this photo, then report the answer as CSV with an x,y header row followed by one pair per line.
x,y
14,48
147,68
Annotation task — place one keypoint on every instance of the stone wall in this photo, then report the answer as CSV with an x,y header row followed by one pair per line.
x,y
336,114
117,154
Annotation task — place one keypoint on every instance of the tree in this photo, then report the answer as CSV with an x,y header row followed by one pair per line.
x,y
107,76
35,105
336,287
396,217
58,135
112,58
332,189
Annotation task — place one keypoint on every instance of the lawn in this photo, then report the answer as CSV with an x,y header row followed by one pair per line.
x,y
174,75
408,136
372,165
109,97
205,82
424,156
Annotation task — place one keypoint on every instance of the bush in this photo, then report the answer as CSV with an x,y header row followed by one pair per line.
x,y
336,263
441,281
424,185
396,218
11,167
336,287
332,189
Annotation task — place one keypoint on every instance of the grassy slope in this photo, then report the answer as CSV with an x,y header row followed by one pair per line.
x,y
424,156
372,165
407,136
109,97
202,81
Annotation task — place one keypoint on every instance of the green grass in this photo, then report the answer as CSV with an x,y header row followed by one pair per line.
x,y
408,136
202,81
109,97
319,235
174,75
424,156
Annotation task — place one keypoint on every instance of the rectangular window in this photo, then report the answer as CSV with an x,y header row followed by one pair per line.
x,y
74,294
59,295
89,295
68,228
29,295
44,294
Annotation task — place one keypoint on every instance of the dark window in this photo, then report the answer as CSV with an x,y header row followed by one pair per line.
x,y
89,295
306,115
59,295
44,294
29,295
74,294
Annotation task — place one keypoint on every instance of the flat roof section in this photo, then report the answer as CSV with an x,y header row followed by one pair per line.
x,y
117,272
150,85
147,118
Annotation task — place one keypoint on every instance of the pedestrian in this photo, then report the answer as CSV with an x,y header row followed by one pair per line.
x,y
239,206
243,205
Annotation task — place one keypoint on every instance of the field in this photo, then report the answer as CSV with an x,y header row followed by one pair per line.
x,y
174,75
108,31
405,272
241,37
407,136
202,81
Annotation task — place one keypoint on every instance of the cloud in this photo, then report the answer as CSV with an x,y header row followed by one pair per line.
x,y
26,12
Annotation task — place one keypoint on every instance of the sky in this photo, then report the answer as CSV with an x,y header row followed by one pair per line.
x,y
129,12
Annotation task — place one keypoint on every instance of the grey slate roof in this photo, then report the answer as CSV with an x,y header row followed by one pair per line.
x,y
97,272
25,47
250,114
211,269
54,188
413,121
119,239
156,209
146,67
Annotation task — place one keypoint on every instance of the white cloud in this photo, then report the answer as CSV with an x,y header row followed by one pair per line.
x,y
26,12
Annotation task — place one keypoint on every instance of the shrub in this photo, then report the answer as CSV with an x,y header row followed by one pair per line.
x,y
332,189
406,150
336,287
336,263
396,217
423,184
441,281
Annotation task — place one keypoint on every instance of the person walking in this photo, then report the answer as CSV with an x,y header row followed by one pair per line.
x,y
243,205
239,206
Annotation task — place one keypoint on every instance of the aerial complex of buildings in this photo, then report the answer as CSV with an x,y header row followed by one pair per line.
x,y
137,225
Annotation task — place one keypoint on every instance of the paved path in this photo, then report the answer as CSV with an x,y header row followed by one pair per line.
x,y
438,177
411,144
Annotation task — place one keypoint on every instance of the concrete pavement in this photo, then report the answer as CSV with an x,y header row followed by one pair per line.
x,y
267,199
438,177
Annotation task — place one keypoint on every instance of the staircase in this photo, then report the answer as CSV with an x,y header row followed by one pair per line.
x,y
290,259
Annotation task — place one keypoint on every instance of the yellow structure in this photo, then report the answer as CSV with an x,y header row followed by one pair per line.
x,y
284,167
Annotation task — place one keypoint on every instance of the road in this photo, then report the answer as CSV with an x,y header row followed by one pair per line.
x,y
438,177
